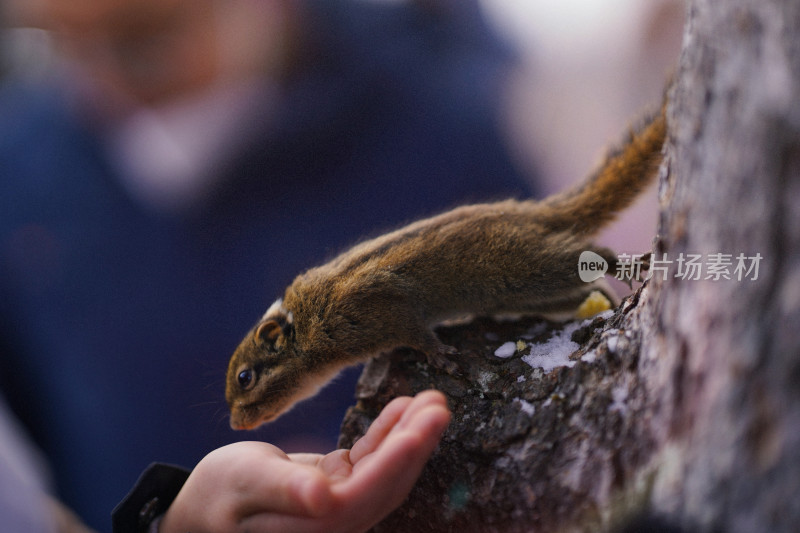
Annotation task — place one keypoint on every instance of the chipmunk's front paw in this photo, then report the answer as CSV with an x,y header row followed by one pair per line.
x,y
441,358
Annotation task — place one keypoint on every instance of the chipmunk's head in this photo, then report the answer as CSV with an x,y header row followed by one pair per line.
x,y
267,373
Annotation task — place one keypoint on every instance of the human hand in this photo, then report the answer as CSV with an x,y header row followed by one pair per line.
x,y
254,486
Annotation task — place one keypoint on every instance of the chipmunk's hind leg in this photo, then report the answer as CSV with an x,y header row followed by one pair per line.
x,y
438,354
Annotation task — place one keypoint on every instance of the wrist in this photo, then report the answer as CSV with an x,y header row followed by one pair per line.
x,y
151,496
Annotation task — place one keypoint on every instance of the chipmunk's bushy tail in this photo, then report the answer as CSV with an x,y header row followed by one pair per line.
x,y
626,171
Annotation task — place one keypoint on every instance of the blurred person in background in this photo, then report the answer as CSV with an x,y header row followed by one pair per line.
x,y
25,503
167,168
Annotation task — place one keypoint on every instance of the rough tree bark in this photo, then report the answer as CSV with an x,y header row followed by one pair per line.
x,y
685,404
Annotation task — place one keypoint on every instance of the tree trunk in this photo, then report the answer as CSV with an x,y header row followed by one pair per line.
x,y
682,407
730,349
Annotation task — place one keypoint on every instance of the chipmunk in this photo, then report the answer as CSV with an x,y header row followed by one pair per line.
x,y
385,293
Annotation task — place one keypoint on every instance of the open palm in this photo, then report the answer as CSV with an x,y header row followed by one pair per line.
x,y
255,486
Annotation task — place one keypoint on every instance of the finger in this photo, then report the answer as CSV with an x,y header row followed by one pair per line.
x,y
379,428
338,464
311,459
381,481
390,421
421,401
405,450
335,465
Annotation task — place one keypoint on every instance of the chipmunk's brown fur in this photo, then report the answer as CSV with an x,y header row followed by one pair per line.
x,y
510,256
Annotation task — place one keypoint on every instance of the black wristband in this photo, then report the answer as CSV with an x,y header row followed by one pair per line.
x,y
149,498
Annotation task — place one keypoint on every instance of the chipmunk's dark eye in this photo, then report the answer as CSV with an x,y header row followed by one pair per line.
x,y
245,378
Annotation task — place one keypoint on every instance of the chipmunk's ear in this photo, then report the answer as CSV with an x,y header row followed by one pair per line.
x,y
268,331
